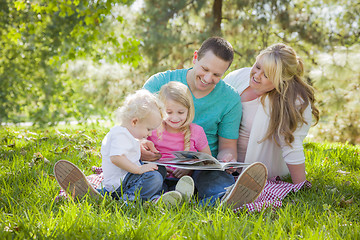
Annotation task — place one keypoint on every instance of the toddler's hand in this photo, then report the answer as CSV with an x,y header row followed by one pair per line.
x,y
148,168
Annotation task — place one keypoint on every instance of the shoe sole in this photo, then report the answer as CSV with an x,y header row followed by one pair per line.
x,y
170,198
186,187
72,180
248,186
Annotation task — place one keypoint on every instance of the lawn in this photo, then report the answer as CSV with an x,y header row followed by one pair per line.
x,y
329,210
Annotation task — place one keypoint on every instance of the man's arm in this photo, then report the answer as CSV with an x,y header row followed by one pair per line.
x,y
227,150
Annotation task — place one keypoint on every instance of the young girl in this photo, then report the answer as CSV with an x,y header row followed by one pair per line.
x,y
177,132
124,173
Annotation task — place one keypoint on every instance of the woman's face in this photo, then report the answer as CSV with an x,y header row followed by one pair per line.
x,y
259,82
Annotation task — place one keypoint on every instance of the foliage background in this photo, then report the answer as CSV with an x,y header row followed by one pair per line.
x,y
63,60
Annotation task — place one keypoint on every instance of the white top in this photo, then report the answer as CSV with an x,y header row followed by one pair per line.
x,y
118,141
268,152
249,110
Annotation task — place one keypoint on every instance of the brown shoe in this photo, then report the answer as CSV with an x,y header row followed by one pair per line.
x,y
72,180
247,187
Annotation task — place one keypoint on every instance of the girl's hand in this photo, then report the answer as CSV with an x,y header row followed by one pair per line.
x,y
148,151
169,171
148,168
178,173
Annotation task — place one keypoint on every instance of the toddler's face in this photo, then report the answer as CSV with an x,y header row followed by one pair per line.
x,y
176,114
143,128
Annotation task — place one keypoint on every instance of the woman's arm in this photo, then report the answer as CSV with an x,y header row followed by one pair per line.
x,y
297,173
294,156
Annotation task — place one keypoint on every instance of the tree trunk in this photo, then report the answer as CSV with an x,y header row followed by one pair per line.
x,y
217,14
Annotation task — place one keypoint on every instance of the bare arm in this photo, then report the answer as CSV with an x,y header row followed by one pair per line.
x,y
206,150
227,150
123,162
297,173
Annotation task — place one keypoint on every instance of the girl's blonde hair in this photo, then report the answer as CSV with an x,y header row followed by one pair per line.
x,y
180,93
291,95
139,105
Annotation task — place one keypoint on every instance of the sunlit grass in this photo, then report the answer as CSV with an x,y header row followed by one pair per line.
x,y
329,210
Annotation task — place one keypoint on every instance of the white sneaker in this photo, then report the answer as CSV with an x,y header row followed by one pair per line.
x,y
247,187
72,180
170,198
186,187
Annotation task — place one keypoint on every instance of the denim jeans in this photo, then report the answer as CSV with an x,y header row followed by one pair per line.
x,y
148,184
211,185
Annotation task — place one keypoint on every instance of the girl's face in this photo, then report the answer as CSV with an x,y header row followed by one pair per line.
x,y
176,115
259,82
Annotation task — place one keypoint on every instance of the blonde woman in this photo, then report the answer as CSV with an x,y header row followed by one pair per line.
x,y
278,105
177,132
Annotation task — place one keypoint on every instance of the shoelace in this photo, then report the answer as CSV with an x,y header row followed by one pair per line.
x,y
228,190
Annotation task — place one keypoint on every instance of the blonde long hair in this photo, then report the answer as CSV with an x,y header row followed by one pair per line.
x,y
180,93
291,95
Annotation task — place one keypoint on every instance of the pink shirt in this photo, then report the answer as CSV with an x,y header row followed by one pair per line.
x,y
170,142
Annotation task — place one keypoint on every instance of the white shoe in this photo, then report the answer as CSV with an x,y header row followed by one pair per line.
x,y
186,187
170,198
247,187
72,180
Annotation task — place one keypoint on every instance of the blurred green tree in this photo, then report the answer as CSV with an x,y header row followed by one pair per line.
x,y
38,37
172,30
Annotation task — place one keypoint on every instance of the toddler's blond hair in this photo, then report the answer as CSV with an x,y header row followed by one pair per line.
x,y
139,105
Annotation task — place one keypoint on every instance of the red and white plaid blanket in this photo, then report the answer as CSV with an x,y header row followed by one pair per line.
x,y
274,191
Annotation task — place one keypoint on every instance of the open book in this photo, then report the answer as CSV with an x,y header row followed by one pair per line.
x,y
197,161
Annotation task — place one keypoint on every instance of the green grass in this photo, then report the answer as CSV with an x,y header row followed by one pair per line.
x,y
329,210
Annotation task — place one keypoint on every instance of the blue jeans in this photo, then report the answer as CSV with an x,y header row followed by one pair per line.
x,y
211,185
148,185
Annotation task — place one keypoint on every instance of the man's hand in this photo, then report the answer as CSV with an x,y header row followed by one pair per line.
x,y
227,151
227,157
148,151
